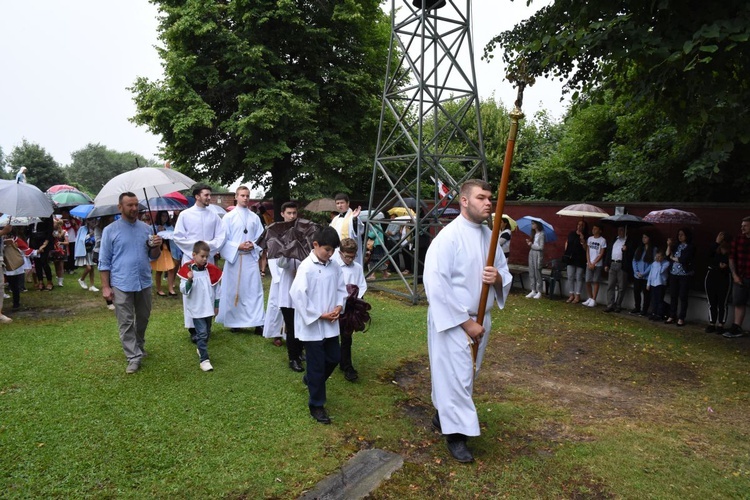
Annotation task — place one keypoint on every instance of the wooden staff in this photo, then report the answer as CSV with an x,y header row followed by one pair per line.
x,y
515,117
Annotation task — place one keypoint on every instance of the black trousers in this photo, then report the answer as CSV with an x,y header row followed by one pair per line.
x,y
346,352
718,284
679,286
293,344
639,290
323,357
15,284
41,264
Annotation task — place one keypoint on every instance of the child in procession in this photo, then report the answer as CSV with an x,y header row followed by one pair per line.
x,y
353,275
199,281
318,294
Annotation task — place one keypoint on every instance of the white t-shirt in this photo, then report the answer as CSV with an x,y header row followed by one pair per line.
x,y
595,246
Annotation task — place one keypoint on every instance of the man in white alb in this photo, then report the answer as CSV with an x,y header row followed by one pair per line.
x,y
198,223
349,225
455,270
241,304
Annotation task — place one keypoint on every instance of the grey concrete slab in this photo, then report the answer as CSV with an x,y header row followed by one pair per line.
x,y
358,477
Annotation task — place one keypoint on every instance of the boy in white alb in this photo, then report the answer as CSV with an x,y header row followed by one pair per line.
x,y
318,294
198,283
353,275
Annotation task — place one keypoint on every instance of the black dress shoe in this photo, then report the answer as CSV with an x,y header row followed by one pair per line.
x,y
459,450
320,414
296,366
351,374
258,330
436,423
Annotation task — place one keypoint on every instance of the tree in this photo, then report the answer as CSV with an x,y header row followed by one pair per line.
x,y
686,62
571,168
94,165
283,93
4,174
42,170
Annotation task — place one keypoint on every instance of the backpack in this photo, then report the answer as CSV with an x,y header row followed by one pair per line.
x,y
356,316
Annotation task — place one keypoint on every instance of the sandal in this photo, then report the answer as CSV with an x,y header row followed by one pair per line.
x,y
173,294
49,287
669,321
161,294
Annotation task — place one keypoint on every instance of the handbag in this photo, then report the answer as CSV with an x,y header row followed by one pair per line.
x,y
12,257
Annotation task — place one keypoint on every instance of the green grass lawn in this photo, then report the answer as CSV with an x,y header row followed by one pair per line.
x,y
573,403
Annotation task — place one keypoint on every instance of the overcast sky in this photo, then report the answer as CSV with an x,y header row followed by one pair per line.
x,y
66,67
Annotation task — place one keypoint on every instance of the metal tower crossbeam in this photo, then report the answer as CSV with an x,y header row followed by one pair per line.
x,y
430,129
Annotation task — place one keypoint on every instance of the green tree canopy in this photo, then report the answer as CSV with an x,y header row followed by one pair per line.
x,y
42,170
679,66
94,165
283,93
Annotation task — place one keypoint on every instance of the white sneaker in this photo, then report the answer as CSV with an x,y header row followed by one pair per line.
x,y
5,319
6,296
531,294
538,295
592,303
83,284
92,288
206,366
111,307
60,282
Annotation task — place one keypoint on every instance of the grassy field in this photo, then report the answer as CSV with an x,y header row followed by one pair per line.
x,y
574,403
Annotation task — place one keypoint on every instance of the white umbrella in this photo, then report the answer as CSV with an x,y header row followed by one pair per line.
x,y
582,210
18,221
24,200
144,182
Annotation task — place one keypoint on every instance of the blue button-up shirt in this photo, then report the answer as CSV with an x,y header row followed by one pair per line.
x,y
124,253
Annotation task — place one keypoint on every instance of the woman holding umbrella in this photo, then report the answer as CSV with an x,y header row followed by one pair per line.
x,y
536,255
575,258
165,263
681,254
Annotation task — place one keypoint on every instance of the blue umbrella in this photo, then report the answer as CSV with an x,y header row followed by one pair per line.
x,y
524,225
82,211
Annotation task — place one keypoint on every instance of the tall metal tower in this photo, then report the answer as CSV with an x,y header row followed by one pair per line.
x,y
430,131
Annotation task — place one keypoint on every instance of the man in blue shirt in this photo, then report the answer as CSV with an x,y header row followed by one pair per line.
x,y
127,246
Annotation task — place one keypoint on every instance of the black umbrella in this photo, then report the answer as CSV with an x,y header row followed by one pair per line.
x,y
292,240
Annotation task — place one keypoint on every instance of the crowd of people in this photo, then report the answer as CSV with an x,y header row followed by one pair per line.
x,y
655,272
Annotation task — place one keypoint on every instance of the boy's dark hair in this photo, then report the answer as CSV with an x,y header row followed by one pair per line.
x,y
201,246
327,236
348,245
200,187
341,196
288,204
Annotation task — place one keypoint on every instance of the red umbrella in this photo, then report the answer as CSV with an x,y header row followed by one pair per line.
x,y
58,188
176,195
672,216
